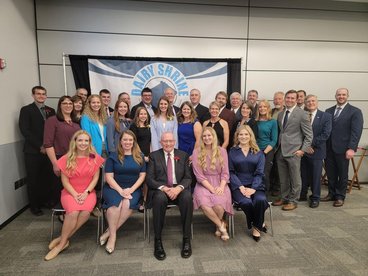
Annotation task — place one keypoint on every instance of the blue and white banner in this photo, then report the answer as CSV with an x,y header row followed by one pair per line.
x,y
132,76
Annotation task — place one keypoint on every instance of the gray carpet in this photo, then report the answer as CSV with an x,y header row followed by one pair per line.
x,y
322,241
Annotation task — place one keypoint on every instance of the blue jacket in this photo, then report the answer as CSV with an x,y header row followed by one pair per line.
x,y
94,130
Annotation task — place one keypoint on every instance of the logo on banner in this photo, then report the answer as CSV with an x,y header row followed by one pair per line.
x,y
158,77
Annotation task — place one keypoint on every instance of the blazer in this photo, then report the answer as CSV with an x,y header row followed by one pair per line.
x,y
157,171
346,129
297,134
228,116
31,124
94,130
238,115
321,126
202,113
134,109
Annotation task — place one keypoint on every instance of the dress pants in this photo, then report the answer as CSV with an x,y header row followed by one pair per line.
x,y
38,169
159,205
253,207
290,179
311,170
337,168
267,168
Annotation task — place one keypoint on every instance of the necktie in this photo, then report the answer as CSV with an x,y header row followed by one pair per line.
x,y
43,112
310,117
338,110
285,119
169,171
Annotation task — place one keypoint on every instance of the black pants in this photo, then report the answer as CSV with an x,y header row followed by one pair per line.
x,y
159,205
38,168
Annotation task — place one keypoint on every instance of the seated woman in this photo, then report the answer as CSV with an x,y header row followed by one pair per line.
x,y
125,172
79,174
246,165
212,194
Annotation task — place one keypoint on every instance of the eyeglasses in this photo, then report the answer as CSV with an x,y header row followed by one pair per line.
x,y
67,103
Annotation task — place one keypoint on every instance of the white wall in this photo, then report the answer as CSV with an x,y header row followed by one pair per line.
x,y
18,47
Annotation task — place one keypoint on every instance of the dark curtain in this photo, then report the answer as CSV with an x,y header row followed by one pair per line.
x,y
81,77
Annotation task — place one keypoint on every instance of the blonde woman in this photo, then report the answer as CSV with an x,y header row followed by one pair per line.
x,y
220,126
246,165
93,121
125,172
163,121
79,175
212,194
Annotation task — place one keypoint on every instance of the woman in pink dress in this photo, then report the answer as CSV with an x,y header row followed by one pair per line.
x,y
212,194
79,175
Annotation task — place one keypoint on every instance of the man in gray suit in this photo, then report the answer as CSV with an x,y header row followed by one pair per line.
x,y
295,138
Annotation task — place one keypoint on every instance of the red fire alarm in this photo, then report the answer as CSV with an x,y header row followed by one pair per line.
x,y
2,63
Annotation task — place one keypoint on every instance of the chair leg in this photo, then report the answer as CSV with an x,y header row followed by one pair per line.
x,y
191,228
144,222
148,225
52,225
271,218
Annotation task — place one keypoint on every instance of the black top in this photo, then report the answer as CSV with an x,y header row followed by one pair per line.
x,y
219,131
143,135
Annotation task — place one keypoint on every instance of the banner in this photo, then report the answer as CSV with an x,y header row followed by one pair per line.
x,y
132,76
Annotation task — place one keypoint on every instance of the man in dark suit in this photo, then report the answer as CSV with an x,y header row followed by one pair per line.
x,y
202,112
169,181
235,102
312,161
225,114
106,99
252,98
295,139
170,94
347,126
146,102
31,124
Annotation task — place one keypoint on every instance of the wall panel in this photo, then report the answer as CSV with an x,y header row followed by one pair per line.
x,y
53,80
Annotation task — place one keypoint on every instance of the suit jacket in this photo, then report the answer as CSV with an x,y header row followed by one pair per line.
x,y
134,109
238,115
321,126
157,171
31,125
346,129
228,116
297,134
177,109
202,113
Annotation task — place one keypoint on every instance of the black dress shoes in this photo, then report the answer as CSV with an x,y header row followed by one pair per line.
x,y
159,250
327,198
186,252
37,212
314,204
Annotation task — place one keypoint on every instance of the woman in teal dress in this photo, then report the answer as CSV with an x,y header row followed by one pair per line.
x,y
125,172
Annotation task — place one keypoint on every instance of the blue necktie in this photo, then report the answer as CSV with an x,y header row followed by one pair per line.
x,y
285,119
337,114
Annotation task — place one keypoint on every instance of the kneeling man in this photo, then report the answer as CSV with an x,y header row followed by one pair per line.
x,y
169,180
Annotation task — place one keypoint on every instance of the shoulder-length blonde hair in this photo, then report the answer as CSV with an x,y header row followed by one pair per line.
x,y
101,116
269,110
136,116
136,151
169,113
193,113
215,149
253,147
116,114
71,162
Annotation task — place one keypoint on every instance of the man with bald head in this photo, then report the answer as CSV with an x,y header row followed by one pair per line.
x,y
347,127
169,182
202,111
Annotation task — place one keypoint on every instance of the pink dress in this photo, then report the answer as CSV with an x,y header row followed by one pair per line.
x,y
202,196
80,179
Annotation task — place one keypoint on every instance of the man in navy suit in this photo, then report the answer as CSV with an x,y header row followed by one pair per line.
x,y
169,181
312,161
31,124
347,127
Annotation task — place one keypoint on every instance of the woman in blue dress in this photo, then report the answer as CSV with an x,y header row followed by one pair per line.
x,y
163,121
246,165
189,128
125,172
116,124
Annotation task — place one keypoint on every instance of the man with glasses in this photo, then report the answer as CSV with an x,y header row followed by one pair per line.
x,y
146,102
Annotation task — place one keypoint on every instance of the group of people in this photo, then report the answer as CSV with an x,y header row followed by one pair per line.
x,y
192,156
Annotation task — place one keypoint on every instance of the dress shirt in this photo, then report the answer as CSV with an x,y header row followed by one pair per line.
x,y
313,115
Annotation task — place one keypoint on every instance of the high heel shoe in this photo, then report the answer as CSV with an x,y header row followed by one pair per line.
x,y
222,229
104,237
55,251
256,238
264,228
54,243
110,249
